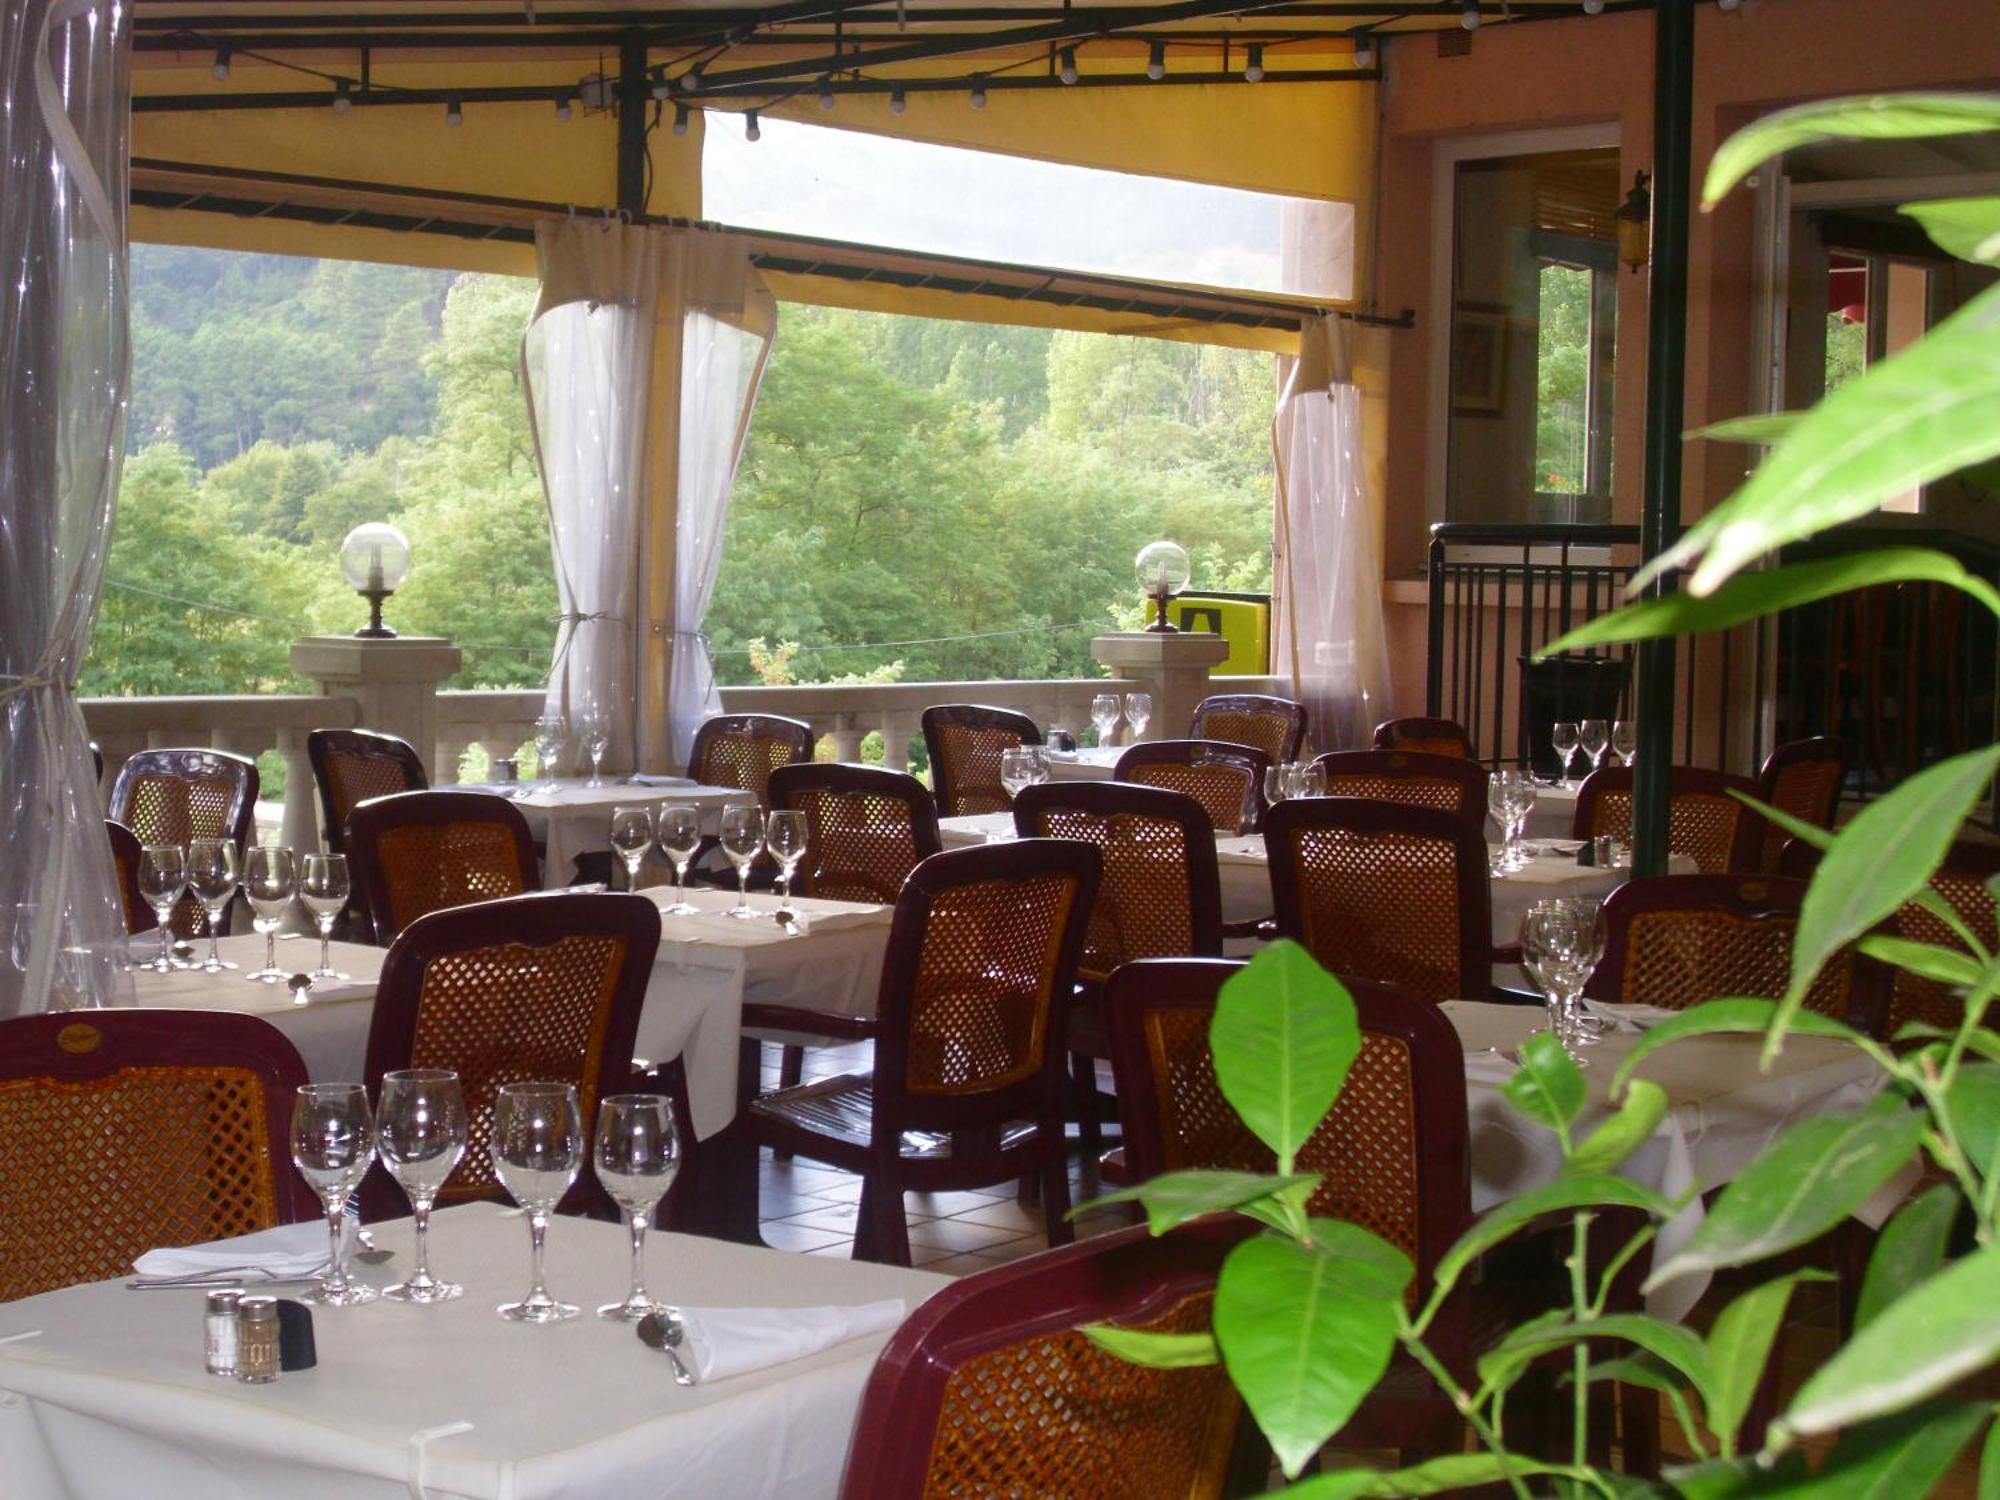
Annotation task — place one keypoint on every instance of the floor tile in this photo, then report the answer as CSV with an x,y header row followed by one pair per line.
x,y
956,1234
782,1234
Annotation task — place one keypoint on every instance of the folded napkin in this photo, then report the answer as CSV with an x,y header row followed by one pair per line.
x,y
723,1341
1629,1017
291,1251
647,778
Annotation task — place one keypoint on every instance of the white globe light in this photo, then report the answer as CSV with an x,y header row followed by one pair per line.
x,y
375,556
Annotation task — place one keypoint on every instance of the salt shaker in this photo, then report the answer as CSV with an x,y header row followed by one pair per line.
x,y
219,1329
257,1341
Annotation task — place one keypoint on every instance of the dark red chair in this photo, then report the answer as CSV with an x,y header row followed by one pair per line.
x,y
1452,783
351,766
1226,779
177,796
125,855
1963,881
742,750
1804,779
1704,822
1275,726
964,741
1425,736
419,852
122,1131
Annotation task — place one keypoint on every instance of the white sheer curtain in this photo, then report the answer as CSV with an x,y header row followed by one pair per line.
x,y
65,88
1328,553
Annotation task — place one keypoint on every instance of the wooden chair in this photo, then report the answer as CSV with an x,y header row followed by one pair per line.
x,y
1385,892
1804,779
964,741
177,796
419,852
967,1086
1704,822
742,750
122,1131
1426,736
1227,779
1452,783
1276,726
989,1389
125,854
350,766
545,988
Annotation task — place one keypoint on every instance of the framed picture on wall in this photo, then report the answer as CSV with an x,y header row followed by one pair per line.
x,y
1479,358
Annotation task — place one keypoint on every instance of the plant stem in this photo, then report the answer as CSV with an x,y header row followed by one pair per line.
x,y
1421,1353
1579,1291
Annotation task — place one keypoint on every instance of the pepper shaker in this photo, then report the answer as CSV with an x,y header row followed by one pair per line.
x,y
257,1341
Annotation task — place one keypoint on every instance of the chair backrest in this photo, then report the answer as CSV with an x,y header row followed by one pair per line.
x,y
1962,881
538,988
352,765
1383,891
1675,941
1276,726
1428,736
1393,1149
1451,783
1802,778
1161,893
742,750
964,741
125,853
1704,822
414,853
177,796
984,945
989,1389
122,1131
866,828
1227,779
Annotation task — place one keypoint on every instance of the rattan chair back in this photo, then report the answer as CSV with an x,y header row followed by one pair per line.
x,y
1962,880
352,765
1803,778
177,796
866,828
419,852
964,742
1426,737
1704,822
742,750
1275,726
1451,783
125,855
1226,779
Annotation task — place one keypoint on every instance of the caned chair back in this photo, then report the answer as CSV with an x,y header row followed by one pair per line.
x,y
1227,779
1161,893
866,828
742,750
1451,783
352,765
1704,822
1962,881
964,741
177,796
1392,1151
1383,891
1426,736
538,988
1804,779
126,1130
419,852
989,1389
125,854
1276,726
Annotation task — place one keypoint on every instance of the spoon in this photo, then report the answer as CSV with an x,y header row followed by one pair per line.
x,y
662,1330
301,987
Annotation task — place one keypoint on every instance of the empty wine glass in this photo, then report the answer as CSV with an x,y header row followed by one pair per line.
x,y
637,1157
270,880
323,891
1017,769
631,836
213,870
1510,796
333,1140
785,837
551,736
1138,712
593,729
678,829
1104,714
1625,740
537,1148
1276,778
1594,735
420,1132
742,839
1038,764
1305,778
1562,739
162,878
1561,942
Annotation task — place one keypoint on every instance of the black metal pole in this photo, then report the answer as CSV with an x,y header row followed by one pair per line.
x,y
1666,370
635,96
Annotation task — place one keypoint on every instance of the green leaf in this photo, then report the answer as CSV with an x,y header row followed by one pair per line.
x,y
1302,1346
1876,117
1966,227
1816,1173
1175,1197
1909,1250
1940,1331
1499,1222
1820,838
1285,1209
1676,1346
1982,1040
1945,965
1989,1465
1437,1476
1645,1105
1284,1036
1738,1478
1162,1351
1759,427
1712,1016
1739,1344
1972,1104
1548,1087
1898,1458
1370,1265
1639,1370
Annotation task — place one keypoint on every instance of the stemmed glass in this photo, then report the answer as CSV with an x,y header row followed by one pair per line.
x,y
742,838
333,1140
1104,714
1305,778
162,878
551,735
420,1132
785,837
537,1147
1017,769
1594,735
1562,739
1625,740
323,891
637,1158
593,728
1561,942
631,836
270,880
213,871
679,831
1511,797
1277,783
1138,712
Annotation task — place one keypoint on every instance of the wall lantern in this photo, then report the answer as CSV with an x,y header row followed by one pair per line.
x,y
1635,223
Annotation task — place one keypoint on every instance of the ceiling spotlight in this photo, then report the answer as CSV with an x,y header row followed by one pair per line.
x,y
691,79
1728,4
1593,7
977,99
1468,15
220,70
751,132
343,96
1068,73
1364,50
562,107
898,101
680,119
454,112
662,85
1253,71
1156,61
826,94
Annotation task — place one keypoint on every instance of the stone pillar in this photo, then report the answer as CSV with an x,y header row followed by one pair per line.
x,y
393,682
1173,668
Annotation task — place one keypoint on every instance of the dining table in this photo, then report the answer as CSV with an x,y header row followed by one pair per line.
x,y
1093,764
570,817
104,1395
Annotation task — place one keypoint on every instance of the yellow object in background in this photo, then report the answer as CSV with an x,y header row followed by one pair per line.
x,y
1243,620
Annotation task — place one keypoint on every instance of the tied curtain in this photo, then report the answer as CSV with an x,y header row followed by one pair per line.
x,y
641,363
1328,552
65,89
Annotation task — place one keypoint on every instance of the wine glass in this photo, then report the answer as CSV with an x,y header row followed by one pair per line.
x,y
333,1140
1594,735
162,878
213,870
1017,770
785,837
742,839
420,1131
679,831
631,836
270,880
551,736
1545,946
1138,712
593,728
1510,796
637,1157
1038,764
1625,740
1104,714
537,1147
1587,937
1276,779
1305,778
1562,739
323,891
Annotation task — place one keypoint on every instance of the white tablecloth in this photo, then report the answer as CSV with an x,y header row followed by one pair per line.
x,y
576,818
1553,815
1094,764
110,1399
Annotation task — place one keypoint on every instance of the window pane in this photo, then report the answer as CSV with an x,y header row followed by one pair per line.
x,y
1562,381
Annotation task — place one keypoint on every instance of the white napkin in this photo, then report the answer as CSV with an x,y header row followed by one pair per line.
x,y
723,1341
1629,1017
282,1254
